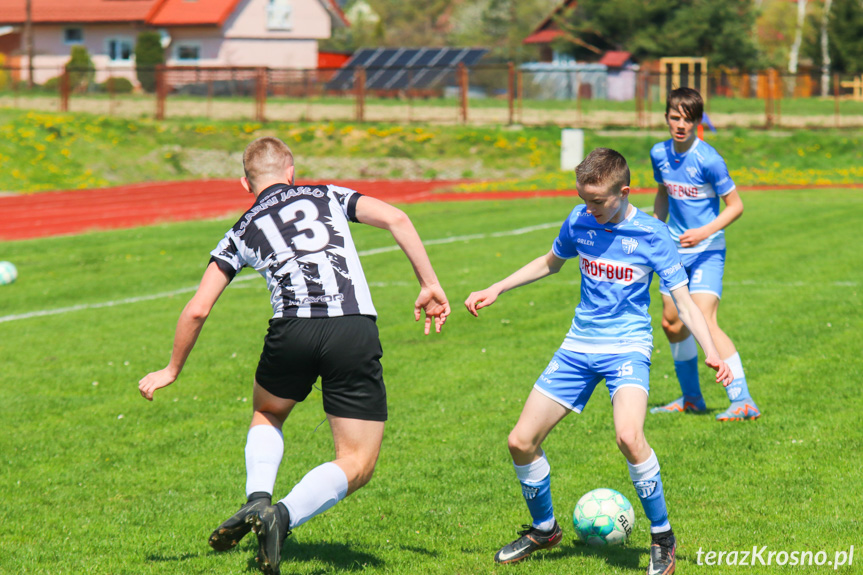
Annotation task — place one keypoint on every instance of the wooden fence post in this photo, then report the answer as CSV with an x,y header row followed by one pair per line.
x,y
836,98
463,88
161,91
510,92
64,91
360,87
260,95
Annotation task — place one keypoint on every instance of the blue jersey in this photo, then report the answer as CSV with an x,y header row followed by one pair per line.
x,y
617,263
694,181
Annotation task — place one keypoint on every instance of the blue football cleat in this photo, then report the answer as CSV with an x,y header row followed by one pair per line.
x,y
682,404
740,411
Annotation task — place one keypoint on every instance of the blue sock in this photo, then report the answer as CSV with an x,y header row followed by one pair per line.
x,y
738,390
535,479
648,485
685,356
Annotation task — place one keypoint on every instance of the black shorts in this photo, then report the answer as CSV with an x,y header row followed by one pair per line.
x,y
344,352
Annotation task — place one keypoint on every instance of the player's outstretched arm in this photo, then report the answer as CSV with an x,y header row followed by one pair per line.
x,y
694,320
431,300
660,203
189,326
539,268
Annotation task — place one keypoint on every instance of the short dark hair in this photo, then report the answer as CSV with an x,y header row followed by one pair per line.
x,y
687,99
603,167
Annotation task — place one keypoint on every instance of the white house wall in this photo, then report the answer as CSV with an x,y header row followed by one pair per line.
x,y
52,54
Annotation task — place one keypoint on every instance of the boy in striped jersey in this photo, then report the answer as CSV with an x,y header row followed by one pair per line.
x,y
323,325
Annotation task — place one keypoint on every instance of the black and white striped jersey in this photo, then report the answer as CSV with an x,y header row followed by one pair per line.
x,y
297,237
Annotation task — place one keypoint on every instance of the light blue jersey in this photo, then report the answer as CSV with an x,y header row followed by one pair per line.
x,y
694,181
617,262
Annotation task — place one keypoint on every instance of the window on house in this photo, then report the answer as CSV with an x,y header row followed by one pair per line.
x,y
188,52
73,36
120,49
279,15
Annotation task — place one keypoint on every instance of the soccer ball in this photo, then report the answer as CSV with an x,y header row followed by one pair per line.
x,y
603,517
8,273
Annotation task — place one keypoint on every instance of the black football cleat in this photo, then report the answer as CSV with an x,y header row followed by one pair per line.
x,y
530,540
239,524
271,526
662,560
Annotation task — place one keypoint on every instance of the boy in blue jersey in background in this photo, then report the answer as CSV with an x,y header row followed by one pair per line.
x,y
620,247
692,176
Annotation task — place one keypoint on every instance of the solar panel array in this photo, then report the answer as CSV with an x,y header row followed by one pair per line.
x,y
404,68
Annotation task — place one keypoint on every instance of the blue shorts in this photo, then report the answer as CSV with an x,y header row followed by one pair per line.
x,y
571,376
705,272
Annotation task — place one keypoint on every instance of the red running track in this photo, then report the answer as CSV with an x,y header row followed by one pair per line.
x,y
29,216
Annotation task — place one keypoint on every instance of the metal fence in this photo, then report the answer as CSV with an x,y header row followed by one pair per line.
x,y
589,97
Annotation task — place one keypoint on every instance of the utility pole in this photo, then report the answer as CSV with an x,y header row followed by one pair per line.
x,y
28,32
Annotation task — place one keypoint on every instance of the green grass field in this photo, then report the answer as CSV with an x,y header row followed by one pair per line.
x,y
49,151
96,480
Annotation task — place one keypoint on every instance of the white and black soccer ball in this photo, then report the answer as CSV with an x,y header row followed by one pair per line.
x,y
603,517
8,273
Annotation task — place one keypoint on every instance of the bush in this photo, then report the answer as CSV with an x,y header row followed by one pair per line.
x,y
148,54
4,74
117,86
51,84
80,69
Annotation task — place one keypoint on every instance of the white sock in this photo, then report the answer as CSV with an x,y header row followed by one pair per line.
x,y
533,472
736,366
684,350
320,489
264,450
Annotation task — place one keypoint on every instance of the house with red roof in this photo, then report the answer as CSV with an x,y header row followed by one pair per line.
x,y
608,75
270,33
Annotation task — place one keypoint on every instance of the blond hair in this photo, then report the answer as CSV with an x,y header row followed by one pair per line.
x,y
603,167
265,158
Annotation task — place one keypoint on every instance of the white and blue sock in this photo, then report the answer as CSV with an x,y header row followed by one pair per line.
x,y
648,485
685,354
535,481
264,450
737,390
319,490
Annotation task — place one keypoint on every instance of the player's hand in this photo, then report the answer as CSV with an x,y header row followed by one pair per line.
x,y
480,299
723,372
693,237
432,300
156,380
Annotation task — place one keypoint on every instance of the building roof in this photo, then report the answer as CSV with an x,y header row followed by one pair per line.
x,y
186,13
152,12
549,25
615,58
543,37
62,11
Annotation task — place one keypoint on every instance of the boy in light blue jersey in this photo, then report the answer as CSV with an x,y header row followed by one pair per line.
x,y
619,247
692,176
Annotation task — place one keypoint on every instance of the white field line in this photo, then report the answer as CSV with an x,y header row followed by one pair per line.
x,y
172,293
440,241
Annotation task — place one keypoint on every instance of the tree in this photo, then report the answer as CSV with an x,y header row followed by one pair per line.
x,y
80,68
148,54
798,36
719,31
845,29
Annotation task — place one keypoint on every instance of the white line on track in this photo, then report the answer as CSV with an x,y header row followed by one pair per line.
x,y
250,277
